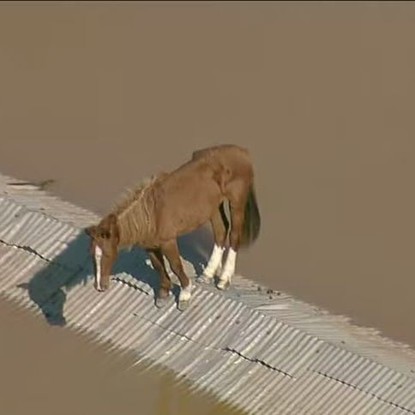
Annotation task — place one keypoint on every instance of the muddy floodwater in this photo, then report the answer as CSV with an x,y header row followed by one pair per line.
x,y
48,371
97,96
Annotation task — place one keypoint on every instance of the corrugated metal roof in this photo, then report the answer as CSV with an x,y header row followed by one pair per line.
x,y
261,351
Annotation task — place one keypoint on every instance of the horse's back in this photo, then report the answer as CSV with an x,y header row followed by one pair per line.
x,y
225,159
224,151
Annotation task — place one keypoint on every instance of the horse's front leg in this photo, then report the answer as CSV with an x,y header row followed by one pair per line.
x,y
171,251
156,258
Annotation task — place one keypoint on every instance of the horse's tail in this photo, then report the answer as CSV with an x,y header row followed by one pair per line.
x,y
252,220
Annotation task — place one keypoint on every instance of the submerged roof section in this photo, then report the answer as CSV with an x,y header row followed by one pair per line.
x,y
261,351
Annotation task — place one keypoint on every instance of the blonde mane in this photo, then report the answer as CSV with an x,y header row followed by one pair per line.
x,y
135,213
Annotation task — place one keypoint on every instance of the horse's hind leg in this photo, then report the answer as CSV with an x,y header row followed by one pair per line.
x,y
238,197
220,226
156,258
171,251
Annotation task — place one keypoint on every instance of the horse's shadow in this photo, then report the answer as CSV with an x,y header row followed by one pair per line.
x,y
49,286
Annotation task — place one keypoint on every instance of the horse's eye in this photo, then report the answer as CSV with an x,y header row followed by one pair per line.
x,y
105,234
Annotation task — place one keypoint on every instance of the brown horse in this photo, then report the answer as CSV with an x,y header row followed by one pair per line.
x,y
172,204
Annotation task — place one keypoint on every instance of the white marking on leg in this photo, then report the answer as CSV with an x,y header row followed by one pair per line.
x,y
186,293
228,270
98,256
215,261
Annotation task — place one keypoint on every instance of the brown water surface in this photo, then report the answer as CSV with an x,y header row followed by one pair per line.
x,y
46,370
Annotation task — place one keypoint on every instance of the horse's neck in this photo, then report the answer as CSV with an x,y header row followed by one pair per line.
x,y
128,231
134,229
125,241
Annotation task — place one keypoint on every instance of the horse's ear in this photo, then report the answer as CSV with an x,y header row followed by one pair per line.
x,y
108,227
91,231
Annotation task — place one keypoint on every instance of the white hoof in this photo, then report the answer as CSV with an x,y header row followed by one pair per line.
x,y
184,297
183,305
162,302
228,270
186,293
204,279
223,284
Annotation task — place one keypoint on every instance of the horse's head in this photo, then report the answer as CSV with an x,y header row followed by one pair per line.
x,y
104,249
